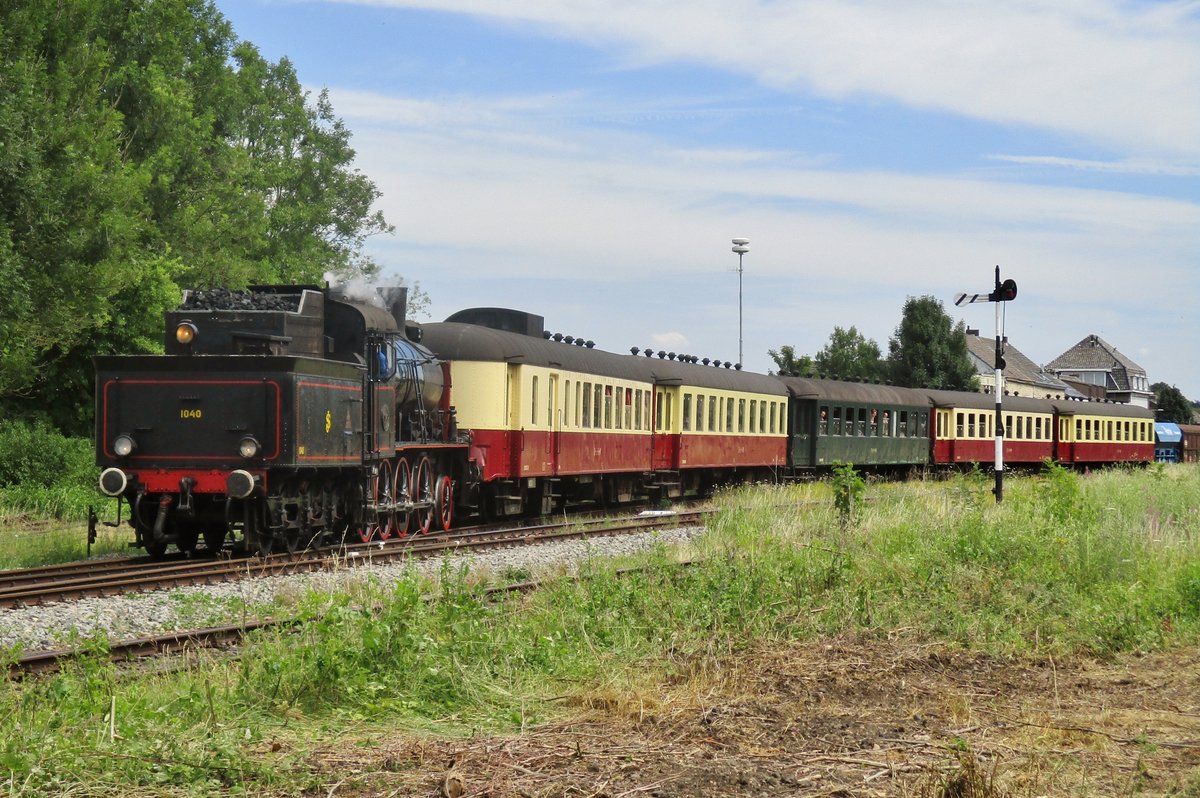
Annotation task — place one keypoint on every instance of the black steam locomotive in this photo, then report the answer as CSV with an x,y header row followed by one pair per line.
x,y
279,416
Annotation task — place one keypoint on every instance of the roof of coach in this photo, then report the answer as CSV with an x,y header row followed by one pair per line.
x,y
470,342
1068,407
985,401
858,392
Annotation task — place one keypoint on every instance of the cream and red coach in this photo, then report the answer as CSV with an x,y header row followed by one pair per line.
x,y
555,422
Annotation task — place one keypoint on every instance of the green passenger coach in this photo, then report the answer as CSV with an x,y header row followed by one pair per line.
x,y
872,426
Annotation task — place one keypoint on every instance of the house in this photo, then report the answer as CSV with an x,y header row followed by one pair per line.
x,y
1022,377
1103,372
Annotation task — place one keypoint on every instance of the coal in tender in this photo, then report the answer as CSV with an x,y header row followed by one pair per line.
x,y
225,299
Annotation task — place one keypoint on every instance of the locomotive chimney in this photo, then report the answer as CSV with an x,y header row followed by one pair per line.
x,y
399,304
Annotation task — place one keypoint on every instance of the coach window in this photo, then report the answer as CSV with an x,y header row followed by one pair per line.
x,y
587,405
700,413
753,415
687,412
762,416
712,414
1108,428
670,413
628,408
617,413
1020,427
729,415
533,412
608,402
823,424
658,410
774,409
960,419
741,415
597,404
922,425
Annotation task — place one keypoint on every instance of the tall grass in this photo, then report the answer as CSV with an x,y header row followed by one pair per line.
x,y
1104,564
45,473
47,482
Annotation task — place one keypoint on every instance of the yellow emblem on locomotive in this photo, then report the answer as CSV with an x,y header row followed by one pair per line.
x,y
328,421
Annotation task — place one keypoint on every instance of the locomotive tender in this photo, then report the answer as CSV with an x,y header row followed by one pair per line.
x,y
308,416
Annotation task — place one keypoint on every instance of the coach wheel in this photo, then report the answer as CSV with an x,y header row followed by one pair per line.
x,y
444,494
422,487
402,491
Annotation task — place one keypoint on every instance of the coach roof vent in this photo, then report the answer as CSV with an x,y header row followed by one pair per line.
x,y
506,319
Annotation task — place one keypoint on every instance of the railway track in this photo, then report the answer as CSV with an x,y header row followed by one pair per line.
x,y
35,586
40,586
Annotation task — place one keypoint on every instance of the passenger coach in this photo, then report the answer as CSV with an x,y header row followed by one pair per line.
x,y
555,422
965,428
1103,432
873,426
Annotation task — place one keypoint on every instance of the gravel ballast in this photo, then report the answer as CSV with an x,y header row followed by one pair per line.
x,y
52,626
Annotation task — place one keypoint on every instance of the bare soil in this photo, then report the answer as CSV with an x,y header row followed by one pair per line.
x,y
842,718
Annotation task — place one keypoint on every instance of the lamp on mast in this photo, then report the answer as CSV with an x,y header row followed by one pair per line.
x,y
741,247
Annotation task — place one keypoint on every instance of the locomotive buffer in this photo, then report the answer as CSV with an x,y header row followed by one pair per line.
x,y
1003,292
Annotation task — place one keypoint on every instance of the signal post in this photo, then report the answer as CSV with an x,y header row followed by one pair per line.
x,y
1003,292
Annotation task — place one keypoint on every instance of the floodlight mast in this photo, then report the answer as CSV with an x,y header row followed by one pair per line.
x,y
1003,292
741,247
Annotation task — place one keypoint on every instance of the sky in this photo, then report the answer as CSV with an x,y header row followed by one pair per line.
x,y
591,161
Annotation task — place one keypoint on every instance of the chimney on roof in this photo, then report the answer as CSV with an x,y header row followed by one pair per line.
x,y
972,331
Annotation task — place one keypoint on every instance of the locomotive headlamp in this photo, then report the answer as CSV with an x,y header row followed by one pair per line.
x,y
248,447
185,332
123,446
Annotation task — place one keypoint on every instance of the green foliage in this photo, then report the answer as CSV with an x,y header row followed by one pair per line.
x,y
147,149
848,490
1171,404
44,472
928,350
788,363
850,356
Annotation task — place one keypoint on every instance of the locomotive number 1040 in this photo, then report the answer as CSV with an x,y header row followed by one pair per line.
x,y
190,413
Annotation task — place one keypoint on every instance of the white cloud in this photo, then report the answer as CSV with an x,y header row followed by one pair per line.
x,y
1124,75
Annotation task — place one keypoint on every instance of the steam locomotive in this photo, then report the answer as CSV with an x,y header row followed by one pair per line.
x,y
289,415
279,417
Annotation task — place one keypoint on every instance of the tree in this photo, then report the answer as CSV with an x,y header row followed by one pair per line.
x,y
850,356
143,149
787,362
1171,405
928,350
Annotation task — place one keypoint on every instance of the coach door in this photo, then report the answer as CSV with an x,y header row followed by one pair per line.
x,y
554,419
